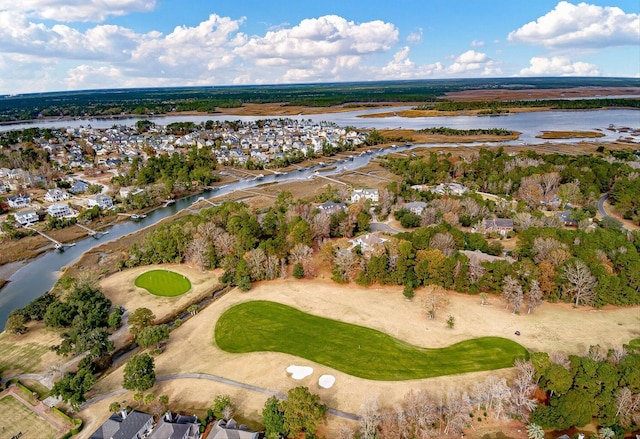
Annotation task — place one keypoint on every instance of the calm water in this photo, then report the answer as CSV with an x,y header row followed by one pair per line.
x,y
38,276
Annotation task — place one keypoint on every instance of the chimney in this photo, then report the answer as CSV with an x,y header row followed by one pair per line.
x,y
123,413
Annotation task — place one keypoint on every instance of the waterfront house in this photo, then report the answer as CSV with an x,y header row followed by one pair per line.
x,y
26,218
60,210
100,200
79,187
329,207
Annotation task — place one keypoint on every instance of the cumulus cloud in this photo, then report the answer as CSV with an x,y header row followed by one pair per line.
x,y
326,36
581,25
474,62
558,66
415,37
76,10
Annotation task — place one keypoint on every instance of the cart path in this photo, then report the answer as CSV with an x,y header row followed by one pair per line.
x,y
218,379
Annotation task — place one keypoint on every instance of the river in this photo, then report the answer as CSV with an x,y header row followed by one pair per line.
x,y
39,275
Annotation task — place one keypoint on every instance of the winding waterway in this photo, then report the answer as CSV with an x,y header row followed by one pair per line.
x,y
39,275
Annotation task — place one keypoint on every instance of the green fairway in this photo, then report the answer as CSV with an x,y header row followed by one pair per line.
x,y
163,283
356,350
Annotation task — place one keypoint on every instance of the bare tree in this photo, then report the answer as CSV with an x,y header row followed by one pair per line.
x,y
523,401
524,220
530,191
197,252
429,216
421,413
455,413
476,270
256,261
369,418
512,293
346,262
549,183
533,296
345,432
272,267
542,247
560,358
303,254
224,244
443,242
320,228
435,301
617,354
393,424
581,282
627,407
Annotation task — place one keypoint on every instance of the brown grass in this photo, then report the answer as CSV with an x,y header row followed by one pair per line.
x,y
191,347
569,135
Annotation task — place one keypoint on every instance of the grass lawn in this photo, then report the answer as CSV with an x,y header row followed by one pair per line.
x,y
25,357
163,283
362,352
16,419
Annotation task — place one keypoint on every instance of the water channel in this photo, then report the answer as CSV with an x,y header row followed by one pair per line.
x,y
38,276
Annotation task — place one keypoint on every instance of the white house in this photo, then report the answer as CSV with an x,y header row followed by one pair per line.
x,y
60,210
100,200
19,201
56,195
365,194
26,217
368,241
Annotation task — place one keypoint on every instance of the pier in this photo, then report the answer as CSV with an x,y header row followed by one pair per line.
x,y
92,232
57,244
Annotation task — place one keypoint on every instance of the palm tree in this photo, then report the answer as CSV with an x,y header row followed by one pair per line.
x,y
606,433
534,431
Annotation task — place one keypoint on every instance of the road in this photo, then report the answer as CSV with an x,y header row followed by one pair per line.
x,y
383,227
218,379
602,211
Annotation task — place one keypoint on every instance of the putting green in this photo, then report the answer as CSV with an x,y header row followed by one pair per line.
x,y
366,353
163,283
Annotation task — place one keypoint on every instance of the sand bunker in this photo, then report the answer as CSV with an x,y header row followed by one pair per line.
x,y
326,381
299,372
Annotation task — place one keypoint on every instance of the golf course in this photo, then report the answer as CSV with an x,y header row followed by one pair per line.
x,y
259,326
163,283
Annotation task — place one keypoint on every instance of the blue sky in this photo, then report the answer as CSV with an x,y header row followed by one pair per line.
x,y
51,45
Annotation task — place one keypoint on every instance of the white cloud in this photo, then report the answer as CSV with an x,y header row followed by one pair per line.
x,y
472,62
327,36
415,37
558,66
76,10
581,25
477,43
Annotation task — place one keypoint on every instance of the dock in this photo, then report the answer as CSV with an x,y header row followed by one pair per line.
x,y
57,244
92,232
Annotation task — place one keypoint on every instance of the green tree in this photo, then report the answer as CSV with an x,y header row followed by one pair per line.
x,y
152,335
16,323
303,411
114,407
273,419
451,321
220,404
298,270
149,398
534,431
140,319
73,386
139,373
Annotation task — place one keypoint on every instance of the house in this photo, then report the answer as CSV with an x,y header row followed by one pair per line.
x,y
123,425
230,430
368,241
56,195
415,207
100,200
567,219
498,225
79,187
449,188
60,210
365,194
19,201
26,218
329,207
176,427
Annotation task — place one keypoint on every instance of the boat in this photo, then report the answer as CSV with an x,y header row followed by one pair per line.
x,y
138,216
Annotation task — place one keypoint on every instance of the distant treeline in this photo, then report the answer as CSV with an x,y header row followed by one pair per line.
x,y
556,104
97,103
470,132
